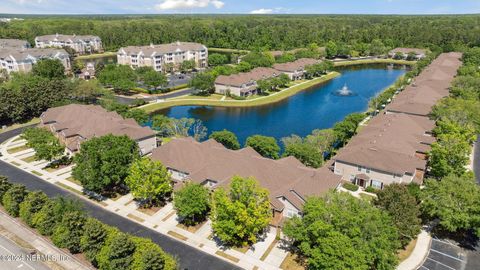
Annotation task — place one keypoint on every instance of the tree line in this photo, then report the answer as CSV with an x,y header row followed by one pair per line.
x,y
250,32
68,226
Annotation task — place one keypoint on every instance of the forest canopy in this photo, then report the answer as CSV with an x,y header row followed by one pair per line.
x,y
258,32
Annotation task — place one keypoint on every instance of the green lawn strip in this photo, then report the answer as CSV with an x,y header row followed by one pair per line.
x,y
15,163
177,235
70,188
17,149
374,61
37,173
269,249
15,126
226,256
134,217
29,159
95,56
240,103
73,180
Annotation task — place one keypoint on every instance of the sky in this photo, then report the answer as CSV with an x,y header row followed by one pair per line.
x,y
240,6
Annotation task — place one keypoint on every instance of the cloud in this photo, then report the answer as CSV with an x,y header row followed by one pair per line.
x,y
187,4
262,11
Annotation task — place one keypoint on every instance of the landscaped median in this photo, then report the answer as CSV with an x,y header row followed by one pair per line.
x,y
206,101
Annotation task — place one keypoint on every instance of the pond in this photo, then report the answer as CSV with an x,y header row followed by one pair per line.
x,y
316,108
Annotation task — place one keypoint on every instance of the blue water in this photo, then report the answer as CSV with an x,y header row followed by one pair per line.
x,y
316,108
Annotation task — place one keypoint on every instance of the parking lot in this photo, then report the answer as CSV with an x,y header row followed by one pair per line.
x,y
447,255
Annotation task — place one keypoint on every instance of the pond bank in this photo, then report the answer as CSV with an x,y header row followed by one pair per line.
x,y
264,100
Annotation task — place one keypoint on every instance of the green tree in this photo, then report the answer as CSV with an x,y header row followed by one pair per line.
x,y
149,181
331,49
264,85
259,59
377,47
4,186
449,154
117,252
119,77
265,146
240,215
243,67
12,198
138,114
227,138
339,231
187,65
52,213
69,230
285,58
403,208
454,201
103,162
161,123
86,91
93,238
154,79
306,153
216,59
150,256
49,68
203,83
32,204
192,203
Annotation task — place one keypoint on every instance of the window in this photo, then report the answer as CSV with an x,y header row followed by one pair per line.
x,y
291,213
359,168
377,184
367,170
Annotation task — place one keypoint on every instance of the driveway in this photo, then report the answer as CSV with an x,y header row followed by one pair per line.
x,y
189,257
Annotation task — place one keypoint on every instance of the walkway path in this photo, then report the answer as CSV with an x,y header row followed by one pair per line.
x,y
164,221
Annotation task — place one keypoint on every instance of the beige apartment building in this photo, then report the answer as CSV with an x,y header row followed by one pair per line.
x,y
419,53
159,57
81,44
243,84
75,123
22,60
392,147
296,69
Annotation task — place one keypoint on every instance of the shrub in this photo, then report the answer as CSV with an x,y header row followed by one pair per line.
x,y
350,186
31,205
12,199
67,233
117,252
4,186
52,213
93,238
371,189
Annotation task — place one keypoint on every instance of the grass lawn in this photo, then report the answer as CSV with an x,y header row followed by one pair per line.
x,y
15,126
269,249
263,100
177,235
291,262
241,249
405,253
96,55
226,256
374,61
19,138
211,97
191,229
70,188
50,169
132,216
17,149
73,180
30,159
168,216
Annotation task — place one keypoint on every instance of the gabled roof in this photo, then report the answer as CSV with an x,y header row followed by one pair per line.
x,y
88,121
60,37
210,160
295,65
161,49
6,43
34,53
239,79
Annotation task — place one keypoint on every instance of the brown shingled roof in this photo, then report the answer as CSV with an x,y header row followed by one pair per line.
x,y
295,65
212,161
247,77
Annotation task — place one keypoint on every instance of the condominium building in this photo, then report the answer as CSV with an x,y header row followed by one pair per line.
x,y
296,69
164,56
404,52
393,147
209,163
75,123
243,84
22,60
80,44
8,43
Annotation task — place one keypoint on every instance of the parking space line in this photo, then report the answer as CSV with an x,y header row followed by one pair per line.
x,y
447,255
428,258
423,267
445,242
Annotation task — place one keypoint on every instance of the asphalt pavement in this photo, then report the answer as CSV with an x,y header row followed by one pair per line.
x,y
189,258
14,257
130,100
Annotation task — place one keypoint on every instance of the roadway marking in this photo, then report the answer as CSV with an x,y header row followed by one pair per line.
x,y
423,267
428,258
7,250
447,255
445,242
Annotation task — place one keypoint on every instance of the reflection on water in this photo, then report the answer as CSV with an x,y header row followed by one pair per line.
x,y
315,108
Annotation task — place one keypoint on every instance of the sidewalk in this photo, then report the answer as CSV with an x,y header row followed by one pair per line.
x,y
419,254
40,244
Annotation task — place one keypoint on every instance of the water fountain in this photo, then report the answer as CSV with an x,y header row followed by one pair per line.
x,y
344,91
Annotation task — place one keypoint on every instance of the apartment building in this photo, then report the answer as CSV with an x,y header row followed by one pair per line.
x,y
211,164
243,84
75,123
22,60
296,69
8,43
160,57
419,53
84,44
392,147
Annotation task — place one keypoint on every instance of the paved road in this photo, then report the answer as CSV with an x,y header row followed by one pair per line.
x,y
446,254
476,159
189,257
14,257
128,100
